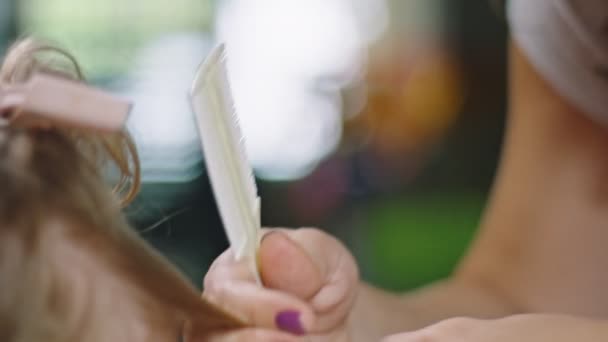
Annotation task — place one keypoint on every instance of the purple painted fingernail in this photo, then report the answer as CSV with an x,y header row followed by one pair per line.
x,y
290,321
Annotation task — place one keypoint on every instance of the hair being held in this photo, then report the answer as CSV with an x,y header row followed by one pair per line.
x,y
71,269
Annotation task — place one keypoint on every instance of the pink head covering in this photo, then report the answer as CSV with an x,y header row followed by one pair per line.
x,y
47,100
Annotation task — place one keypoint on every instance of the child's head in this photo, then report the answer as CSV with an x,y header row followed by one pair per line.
x,y
70,267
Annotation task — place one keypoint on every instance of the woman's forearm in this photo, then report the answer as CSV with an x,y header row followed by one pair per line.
x,y
379,313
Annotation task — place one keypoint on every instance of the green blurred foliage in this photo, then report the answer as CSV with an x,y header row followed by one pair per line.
x,y
414,240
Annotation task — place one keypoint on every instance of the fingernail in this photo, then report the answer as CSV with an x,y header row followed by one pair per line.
x,y
290,321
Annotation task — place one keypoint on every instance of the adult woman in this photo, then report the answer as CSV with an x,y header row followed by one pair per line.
x,y
536,269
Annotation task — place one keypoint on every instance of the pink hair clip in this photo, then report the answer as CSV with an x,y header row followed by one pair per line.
x,y
47,100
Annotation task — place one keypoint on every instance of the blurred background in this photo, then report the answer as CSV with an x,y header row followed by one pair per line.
x,y
379,121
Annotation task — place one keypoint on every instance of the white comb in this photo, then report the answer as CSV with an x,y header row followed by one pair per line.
x,y
223,147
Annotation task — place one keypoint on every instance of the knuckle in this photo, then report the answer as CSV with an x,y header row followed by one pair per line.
x,y
220,292
207,289
210,283
214,267
220,296
222,269
216,293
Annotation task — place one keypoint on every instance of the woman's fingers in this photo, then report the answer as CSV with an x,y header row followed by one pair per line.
x,y
310,282
262,307
226,268
230,285
315,267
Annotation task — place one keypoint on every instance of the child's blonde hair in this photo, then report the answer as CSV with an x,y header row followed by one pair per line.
x,y
71,269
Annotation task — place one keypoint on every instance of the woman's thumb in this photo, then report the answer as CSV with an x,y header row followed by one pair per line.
x,y
287,266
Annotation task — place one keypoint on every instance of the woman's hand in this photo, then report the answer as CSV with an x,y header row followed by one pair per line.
x,y
521,328
310,284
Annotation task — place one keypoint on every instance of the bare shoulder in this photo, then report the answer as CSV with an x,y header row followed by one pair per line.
x,y
543,237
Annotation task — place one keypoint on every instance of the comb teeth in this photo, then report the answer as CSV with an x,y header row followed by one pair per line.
x,y
216,75
244,168
224,151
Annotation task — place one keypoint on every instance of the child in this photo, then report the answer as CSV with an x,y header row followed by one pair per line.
x,y
71,269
